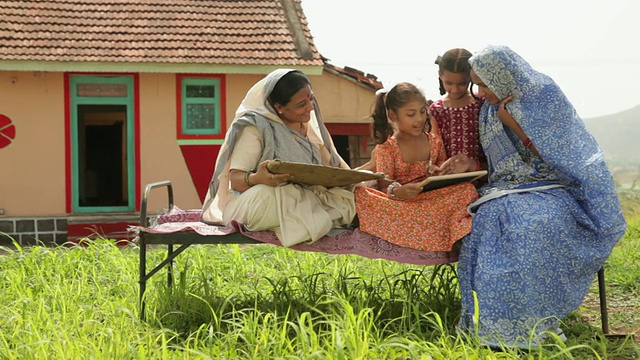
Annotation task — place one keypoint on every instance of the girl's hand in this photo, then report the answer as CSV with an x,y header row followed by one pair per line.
x,y
407,191
458,163
264,176
369,165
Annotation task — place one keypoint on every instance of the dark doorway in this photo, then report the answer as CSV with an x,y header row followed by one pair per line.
x,y
102,154
341,143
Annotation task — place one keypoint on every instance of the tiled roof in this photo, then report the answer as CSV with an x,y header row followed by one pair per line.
x,y
269,32
358,76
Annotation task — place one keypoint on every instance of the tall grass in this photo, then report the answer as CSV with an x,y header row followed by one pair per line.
x,y
253,302
266,302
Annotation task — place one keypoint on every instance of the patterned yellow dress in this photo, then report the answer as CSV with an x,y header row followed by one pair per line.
x,y
433,221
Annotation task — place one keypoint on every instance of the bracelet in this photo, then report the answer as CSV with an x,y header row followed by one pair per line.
x,y
478,165
390,189
527,143
246,177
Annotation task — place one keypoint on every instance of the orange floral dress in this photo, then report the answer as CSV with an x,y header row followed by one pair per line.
x,y
433,221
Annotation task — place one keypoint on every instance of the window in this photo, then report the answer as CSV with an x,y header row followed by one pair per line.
x,y
101,90
200,102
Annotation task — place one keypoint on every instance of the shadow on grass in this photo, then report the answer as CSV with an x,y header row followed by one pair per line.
x,y
419,304
399,302
612,346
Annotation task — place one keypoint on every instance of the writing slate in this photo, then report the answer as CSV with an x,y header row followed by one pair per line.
x,y
440,181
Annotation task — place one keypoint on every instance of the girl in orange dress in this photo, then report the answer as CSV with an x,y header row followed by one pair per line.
x,y
407,152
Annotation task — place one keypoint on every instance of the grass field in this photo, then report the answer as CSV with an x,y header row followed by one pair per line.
x,y
266,302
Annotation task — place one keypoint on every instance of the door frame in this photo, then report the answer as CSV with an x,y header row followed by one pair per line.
x,y
131,101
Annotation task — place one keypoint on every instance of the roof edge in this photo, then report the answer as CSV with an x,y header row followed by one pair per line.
x,y
369,81
51,66
296,30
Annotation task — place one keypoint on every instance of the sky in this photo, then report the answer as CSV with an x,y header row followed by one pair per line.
x,y
591,48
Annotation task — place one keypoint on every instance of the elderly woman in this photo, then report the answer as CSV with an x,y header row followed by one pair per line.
x,y
548,217
278,119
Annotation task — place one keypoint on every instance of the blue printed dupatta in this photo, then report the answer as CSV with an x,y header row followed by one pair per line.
x,y
544,225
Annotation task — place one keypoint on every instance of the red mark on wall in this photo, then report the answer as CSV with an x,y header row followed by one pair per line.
x,y
7,131
201,160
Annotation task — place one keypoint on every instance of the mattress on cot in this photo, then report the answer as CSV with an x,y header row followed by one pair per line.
x,y
351,241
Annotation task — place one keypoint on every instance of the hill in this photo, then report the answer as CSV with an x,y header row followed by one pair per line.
x,y
618,135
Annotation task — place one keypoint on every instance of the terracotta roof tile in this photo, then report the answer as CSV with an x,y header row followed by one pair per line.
x,y
157,31
356,75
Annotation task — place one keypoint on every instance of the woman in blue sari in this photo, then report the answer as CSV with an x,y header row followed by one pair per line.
x,y
548,217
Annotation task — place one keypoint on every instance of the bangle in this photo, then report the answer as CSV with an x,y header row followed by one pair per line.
x,y
246,177
390,189
478,165
527,143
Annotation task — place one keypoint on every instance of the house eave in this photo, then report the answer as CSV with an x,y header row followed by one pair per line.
x,y
151,67
367,85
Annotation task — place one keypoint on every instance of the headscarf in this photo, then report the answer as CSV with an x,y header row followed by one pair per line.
x,y
255,110
568,152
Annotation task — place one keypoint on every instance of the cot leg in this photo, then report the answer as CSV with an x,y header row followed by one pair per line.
x,y
143,276
604,314
170,267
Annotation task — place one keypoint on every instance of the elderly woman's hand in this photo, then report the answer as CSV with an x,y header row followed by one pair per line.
x,y
243,180
504,115
264,176
508,120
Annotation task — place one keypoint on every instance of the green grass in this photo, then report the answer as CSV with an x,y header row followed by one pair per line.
x,y
266,302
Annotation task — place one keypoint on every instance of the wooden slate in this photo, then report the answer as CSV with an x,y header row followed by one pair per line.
x,y
326,176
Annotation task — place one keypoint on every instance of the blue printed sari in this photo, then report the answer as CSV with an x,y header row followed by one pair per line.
x,y
543,225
